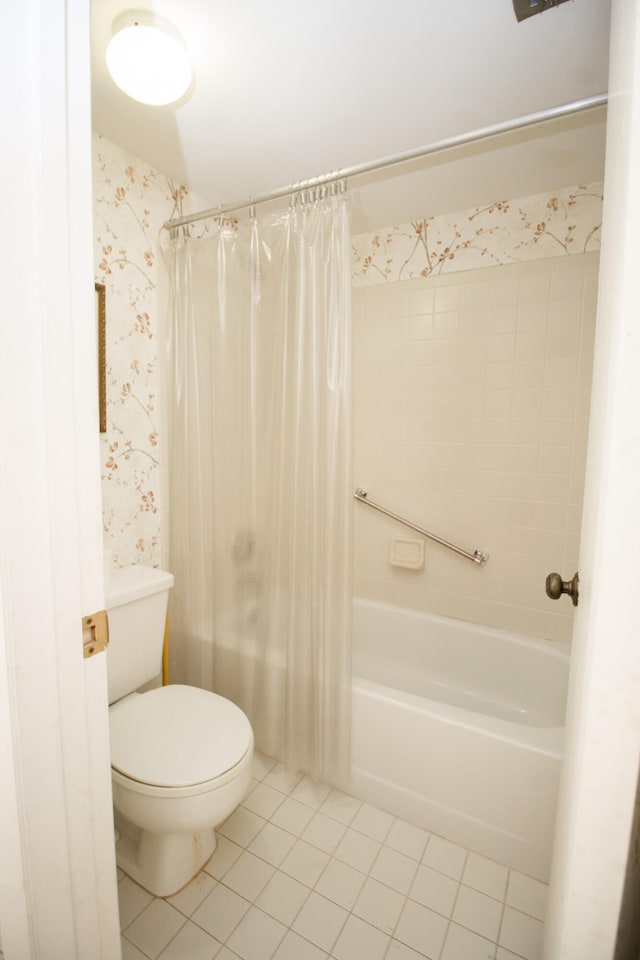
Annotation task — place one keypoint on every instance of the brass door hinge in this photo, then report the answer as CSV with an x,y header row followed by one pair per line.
x,y
95,633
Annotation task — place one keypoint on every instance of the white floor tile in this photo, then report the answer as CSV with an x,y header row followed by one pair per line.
x,y
421,929
152,930
341,806
478,912
221,912
359,940
272,844
485,875
445,856
191,896
306,872
357,850
305,863
462,944
527,895
521,934
320,921
129,951
311,792
292,816
283,897
372,822
400,951
434,890
257,936
295,947
225,954
191,943
395,869
263,800
340,883
281,779
379,905
242,826
408,839
132,900
248,875
323,832
225,854
261,765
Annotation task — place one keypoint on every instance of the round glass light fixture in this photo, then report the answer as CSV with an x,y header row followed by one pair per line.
x,y
147,59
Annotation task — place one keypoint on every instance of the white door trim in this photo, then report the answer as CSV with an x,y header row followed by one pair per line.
x,y
598,789
58,891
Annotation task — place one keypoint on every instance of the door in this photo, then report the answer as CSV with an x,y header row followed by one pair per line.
x,y
598,789
58,891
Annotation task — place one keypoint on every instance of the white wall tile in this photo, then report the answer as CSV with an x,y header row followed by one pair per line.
x,y
483,436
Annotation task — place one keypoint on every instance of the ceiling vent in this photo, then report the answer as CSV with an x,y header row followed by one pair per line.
x,y
528,8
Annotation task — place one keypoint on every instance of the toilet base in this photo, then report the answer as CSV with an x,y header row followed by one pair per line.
x,y
162,863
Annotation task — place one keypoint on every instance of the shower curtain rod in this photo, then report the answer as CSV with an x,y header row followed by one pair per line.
x,y
483,133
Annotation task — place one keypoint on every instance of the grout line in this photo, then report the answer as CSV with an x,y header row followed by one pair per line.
x,y
348,912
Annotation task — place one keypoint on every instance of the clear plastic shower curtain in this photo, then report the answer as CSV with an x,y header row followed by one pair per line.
x,y
258,377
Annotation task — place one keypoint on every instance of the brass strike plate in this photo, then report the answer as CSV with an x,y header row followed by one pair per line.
x,y
95,633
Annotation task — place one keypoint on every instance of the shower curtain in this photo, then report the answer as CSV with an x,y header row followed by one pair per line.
x,y
258,379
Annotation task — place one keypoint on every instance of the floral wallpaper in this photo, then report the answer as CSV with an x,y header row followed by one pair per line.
x,y
131,202
507,231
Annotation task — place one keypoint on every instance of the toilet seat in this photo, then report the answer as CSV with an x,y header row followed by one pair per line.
x,y
179,738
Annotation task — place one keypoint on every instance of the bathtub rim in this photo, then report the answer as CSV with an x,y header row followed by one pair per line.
x,y
558,649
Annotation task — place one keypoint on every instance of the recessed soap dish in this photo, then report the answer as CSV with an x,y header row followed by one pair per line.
x,y
406,553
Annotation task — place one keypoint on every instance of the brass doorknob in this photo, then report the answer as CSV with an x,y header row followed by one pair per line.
x,y
556,586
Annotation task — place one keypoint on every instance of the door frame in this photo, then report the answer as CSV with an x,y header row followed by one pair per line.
x,y
58,889
600,771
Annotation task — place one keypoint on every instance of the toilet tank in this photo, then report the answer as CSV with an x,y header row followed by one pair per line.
x,y
136,603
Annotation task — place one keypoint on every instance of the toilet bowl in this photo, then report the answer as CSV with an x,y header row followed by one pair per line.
x,y
180,756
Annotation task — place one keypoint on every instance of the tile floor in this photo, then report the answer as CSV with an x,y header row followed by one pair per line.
x,y
304,872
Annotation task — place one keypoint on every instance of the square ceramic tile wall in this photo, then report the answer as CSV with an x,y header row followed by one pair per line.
x,y
472,398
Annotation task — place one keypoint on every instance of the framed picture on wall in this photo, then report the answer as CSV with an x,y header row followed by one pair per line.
x,y
101,321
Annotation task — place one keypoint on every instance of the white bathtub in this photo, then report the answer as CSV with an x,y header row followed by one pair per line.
x,y
459,728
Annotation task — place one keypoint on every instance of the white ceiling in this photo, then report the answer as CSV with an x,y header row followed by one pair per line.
x,y
288,90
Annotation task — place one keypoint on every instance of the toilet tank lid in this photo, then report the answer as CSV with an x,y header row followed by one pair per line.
x,y
123,584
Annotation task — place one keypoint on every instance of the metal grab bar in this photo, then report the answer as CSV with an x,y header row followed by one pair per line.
x,y
477,556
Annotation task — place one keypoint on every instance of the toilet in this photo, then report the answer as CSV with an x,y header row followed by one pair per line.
x,y
180,756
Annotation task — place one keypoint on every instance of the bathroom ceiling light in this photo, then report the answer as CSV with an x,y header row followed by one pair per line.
x,y
147,59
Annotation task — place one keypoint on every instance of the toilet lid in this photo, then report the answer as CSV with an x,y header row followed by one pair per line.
x,y
177,736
